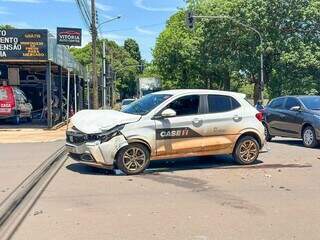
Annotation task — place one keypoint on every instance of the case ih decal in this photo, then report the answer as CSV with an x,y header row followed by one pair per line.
x,y
174,133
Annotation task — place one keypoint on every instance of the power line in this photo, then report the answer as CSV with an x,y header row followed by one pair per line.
x,y
83,7
86,9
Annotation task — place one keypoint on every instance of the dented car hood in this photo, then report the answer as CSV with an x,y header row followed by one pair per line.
x,y
97,121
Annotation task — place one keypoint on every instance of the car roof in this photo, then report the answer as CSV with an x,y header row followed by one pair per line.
x,y
297,96
200,91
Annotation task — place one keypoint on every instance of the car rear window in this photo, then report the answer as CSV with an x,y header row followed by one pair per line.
x,y
311,102
3,94
221,103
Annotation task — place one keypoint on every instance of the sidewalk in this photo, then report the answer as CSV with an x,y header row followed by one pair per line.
x,y
31,135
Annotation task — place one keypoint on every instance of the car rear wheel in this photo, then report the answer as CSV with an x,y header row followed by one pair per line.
x,y
133,159
267,133
246,150
309,137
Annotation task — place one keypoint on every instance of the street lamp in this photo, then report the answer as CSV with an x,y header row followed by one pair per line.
x,y
109,20
248,27
104,62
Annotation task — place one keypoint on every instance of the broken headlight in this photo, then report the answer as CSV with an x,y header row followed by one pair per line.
x,y
107,135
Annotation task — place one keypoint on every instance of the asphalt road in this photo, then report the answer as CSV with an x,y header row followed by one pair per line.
x,y
18,160
200,198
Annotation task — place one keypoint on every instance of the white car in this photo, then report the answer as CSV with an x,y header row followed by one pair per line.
x,y
168,124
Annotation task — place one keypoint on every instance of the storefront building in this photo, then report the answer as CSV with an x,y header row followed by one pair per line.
x,y
31,60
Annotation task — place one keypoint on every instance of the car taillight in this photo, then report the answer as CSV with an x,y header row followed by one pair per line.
x,y
259,116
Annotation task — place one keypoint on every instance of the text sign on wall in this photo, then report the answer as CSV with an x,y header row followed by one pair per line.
x,y
23,44
69,36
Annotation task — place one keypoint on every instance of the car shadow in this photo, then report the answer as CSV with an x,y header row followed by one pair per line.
x,y
291,142
172,165
85,169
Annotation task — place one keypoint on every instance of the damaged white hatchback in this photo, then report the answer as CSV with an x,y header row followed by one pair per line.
x,y
167,124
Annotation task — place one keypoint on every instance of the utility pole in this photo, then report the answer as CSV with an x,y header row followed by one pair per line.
x,y
104,82
94,56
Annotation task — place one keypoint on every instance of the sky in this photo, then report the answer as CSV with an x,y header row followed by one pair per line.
x,y
142,20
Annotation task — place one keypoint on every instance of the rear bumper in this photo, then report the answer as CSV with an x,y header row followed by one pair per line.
x,y
6,116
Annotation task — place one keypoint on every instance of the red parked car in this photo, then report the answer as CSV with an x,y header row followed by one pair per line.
x,y
14,104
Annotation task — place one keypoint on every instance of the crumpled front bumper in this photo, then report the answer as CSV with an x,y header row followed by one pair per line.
x,y
97,153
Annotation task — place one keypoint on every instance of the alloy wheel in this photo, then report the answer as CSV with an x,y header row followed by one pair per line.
x,y
134,159
248,151
308,137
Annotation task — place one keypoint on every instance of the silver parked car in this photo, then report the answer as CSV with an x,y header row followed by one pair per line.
x,y
168,124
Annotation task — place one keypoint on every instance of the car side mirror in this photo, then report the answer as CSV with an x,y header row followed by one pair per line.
x,y
295,108
168,113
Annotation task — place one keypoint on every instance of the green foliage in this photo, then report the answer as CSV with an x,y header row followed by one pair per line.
x,y
132,47
150,70
6,26
124,66
223,54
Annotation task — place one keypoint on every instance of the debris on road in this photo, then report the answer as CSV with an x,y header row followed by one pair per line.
x,y
37,212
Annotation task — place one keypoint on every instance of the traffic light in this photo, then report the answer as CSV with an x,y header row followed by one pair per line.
x,y
190,20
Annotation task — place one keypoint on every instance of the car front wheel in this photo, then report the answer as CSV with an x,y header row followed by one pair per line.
x,y
246,150
309,137
133,159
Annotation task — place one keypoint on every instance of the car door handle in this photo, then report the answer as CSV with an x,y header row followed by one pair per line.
x,y
237,118
197,122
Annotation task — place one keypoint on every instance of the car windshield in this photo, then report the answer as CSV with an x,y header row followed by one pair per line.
x,y
311,102
127,101
144,105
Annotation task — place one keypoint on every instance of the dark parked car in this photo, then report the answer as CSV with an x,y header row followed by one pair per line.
x,y
294,116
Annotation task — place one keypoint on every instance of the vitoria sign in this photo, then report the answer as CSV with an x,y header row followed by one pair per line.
x,y
69,36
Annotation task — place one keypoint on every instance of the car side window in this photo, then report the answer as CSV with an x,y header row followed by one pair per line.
x,y
220,103
277,103
19,95
291,102
187,105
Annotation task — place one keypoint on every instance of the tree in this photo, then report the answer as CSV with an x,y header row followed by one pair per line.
x,y
124,66
177,54
132,47
6,26
221,53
